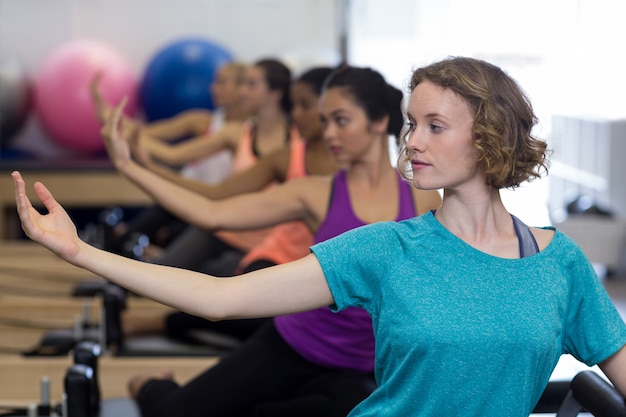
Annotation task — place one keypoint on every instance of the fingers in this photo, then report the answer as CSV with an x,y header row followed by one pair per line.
x,y
21,199
116,116
135,135
24,207
24,204
45,196
95,83
112,122
120,107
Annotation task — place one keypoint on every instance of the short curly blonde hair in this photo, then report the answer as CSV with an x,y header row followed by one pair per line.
x,y
503,119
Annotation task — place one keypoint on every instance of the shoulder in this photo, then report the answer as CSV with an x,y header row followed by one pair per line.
x,y
557,245
312,194
311,189
312,184
543,236
232,132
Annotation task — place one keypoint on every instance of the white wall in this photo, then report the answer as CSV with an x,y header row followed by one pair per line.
x,y
568,55
250,29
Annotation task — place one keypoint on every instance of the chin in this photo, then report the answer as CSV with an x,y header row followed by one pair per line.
x,y
424,185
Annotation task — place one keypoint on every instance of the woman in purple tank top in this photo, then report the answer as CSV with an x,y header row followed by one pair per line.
x,y
313,363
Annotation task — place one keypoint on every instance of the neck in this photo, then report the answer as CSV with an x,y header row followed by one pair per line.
x,y
269,118
375,166
474,212
234,113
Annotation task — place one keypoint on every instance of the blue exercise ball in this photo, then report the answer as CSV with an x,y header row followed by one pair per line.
x,y
15,100
178,77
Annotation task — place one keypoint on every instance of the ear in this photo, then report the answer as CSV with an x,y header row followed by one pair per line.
x,y
380,126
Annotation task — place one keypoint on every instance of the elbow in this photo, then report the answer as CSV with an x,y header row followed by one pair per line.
x,y
217,311
212,316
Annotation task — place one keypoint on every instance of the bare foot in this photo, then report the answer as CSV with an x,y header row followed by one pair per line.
x,y
138,381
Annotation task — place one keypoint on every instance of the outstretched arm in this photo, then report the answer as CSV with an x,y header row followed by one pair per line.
x,y
194,148
268,169
292,201
190,122
287,288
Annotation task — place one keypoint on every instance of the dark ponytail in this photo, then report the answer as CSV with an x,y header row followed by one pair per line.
x,y
278,77
396,117
315,78
371,92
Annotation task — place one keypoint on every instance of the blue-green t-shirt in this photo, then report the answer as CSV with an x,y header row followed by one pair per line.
x,y
460,332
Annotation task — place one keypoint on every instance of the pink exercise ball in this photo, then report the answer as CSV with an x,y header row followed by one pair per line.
x,y
63,103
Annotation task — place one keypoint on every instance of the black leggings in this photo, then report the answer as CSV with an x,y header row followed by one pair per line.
x,y
153,219
262,377
178,325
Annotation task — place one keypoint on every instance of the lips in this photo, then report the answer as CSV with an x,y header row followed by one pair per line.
x,y
333,149
417,164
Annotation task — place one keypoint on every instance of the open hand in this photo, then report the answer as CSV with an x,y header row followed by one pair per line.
x,y
103,109
54,230
113,134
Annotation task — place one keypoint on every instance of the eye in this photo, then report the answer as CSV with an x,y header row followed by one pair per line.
x,y
410,125
341,121
435,128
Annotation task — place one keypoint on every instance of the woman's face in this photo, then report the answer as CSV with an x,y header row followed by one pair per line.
x,y
254,91
305,111
225,87
440,138
347,129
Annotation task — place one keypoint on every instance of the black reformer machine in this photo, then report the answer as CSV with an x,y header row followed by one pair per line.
x,y
81,396
108,333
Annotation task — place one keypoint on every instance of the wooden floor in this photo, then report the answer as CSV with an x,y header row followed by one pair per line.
x,y
35,298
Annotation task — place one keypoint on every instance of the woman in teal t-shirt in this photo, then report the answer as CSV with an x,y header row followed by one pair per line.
x,y
464,324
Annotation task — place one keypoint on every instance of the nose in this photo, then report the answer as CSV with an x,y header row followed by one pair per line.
x,y
414,141
328,130
295,112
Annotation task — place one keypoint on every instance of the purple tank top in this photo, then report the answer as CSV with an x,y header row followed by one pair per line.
x,y
344,339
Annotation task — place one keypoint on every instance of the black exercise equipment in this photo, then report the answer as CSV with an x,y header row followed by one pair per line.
x,y
108,334
200,343
591,393
81,397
